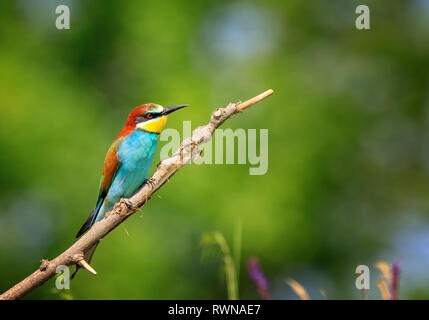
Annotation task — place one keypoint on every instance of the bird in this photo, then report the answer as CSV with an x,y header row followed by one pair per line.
x,y
128,161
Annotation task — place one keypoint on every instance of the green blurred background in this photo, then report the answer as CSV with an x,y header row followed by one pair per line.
x,y
348,177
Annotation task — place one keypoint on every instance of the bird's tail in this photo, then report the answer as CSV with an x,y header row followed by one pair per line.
x,y
85,227
90,221
88,256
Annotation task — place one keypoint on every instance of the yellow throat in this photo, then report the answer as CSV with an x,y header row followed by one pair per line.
x,y
155,125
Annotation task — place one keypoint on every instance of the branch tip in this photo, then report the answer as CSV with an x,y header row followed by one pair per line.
x,y
86,266
246,104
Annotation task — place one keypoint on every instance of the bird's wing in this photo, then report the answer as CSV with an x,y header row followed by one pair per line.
x,y
111,167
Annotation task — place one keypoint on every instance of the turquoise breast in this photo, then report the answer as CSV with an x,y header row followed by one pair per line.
x,y
136,155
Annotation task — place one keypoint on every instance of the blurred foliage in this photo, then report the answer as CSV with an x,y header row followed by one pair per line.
x,y
348,128
229,266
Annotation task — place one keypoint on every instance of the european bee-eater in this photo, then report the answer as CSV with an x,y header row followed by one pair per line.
x,y
129,159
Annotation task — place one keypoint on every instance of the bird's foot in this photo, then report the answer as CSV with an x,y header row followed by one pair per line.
x,y
150,182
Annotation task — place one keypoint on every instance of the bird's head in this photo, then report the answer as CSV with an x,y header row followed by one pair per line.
x,y
151,117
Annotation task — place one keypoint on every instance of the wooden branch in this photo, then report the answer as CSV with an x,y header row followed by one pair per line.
x,y
126,207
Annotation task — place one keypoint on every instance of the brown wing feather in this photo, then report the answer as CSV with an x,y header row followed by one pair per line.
x,y
111,165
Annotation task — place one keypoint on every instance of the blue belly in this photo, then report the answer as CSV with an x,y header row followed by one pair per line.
x,y
136,155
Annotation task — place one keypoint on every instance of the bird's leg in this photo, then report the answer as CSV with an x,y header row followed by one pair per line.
x,y
150,181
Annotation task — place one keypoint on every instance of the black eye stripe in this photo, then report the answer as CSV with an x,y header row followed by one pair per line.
x,y
139,119
151,115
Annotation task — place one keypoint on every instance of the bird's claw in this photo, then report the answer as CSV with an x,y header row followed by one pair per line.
x,y
150,181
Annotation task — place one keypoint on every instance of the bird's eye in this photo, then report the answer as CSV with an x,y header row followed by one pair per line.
x,y
149,115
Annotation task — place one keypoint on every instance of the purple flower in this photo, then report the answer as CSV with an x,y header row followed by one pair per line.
x,y
258,278
396,268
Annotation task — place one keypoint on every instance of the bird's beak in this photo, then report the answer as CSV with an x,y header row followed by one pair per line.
x,y
173,108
